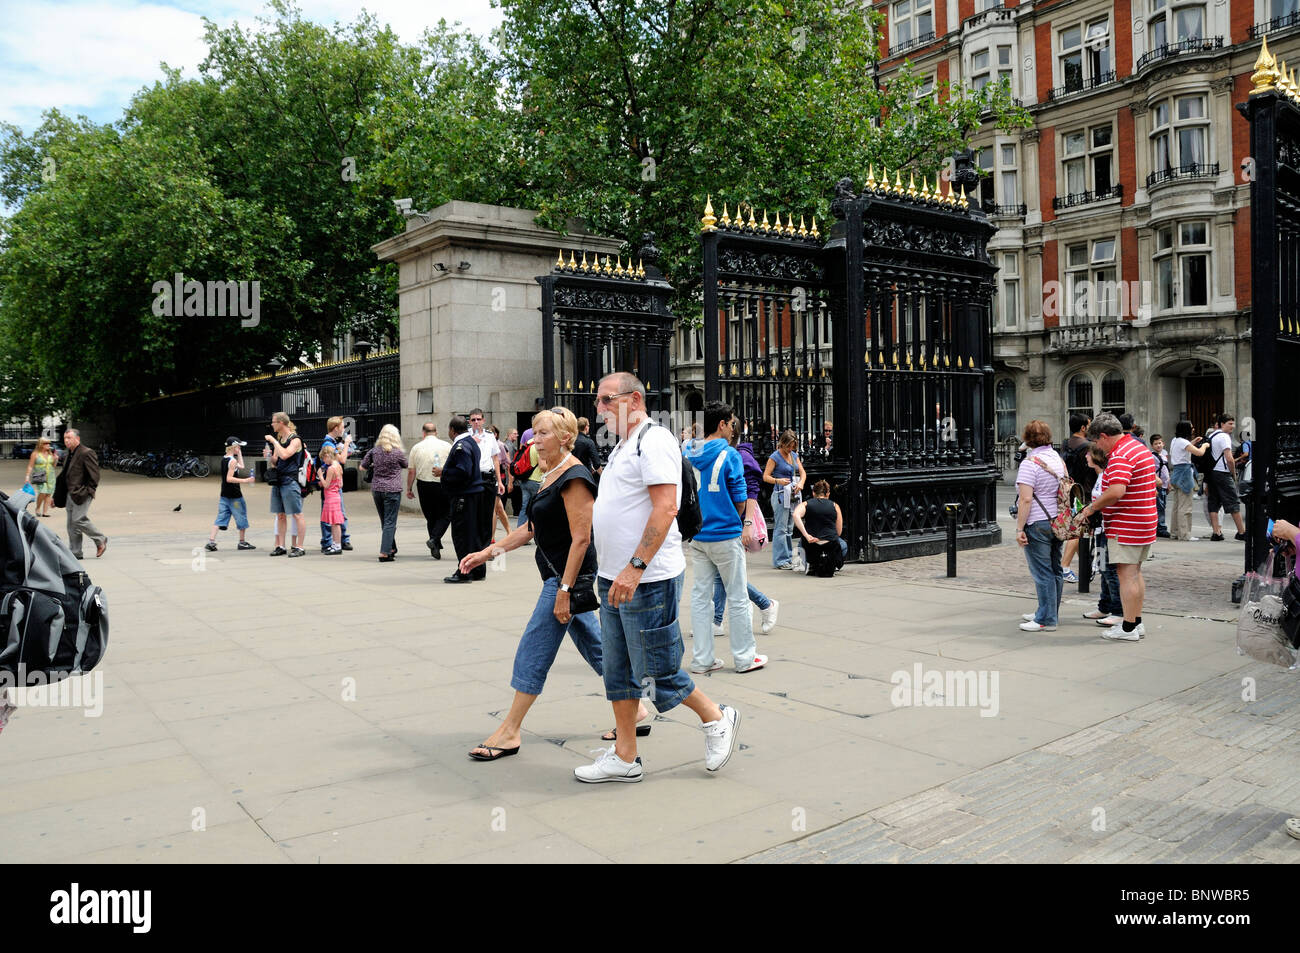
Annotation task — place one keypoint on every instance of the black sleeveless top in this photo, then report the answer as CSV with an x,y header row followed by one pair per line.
x,y
819,519
550,523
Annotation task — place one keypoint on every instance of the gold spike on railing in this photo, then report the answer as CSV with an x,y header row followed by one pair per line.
x,y
1283,81
925,188
972,363
898,182
568,385
880,358
766,226
911,185
803,229
884,178
871,177
640,267
945,361
559,261
921,362
813,231
789,224
751,223
557,385
962,202
726,219
585,266
1266,74
709,223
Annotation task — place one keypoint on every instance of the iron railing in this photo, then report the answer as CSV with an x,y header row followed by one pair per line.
x,y
1069,89
1195,44
919,40
1087,197
1257,30
369,391
1190,171
993,210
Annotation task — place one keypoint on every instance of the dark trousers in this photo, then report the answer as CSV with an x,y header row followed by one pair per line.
x,y
465,527
387,505
435,507
487,506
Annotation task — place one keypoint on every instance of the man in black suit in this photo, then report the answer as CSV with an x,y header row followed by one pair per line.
x,y
463,484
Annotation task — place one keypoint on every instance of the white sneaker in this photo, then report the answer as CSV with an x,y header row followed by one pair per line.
x,y
1069,575
1117,633
706,669
1110,621
720,738
769,617
608,767
718,631
1193,539
1032,626
760,661
1028,616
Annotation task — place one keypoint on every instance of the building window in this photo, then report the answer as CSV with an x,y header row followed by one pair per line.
x,y
1171,23
1180,133
1182,266
1004,63
982,5
1010,291
913,22
1079,396
1005,400
1010,192
1112,393
1091,292
979,69
986,158
1084,58
1087,161
926,89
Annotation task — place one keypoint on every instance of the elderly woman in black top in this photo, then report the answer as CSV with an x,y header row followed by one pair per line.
x,y
558,519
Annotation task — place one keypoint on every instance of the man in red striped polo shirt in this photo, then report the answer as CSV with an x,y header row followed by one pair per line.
x,y
1128,508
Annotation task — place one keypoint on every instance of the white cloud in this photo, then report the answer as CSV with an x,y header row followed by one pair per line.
x,y
90,56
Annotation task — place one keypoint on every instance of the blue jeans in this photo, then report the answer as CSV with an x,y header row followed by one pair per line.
x,y
641,644
1044,557
528,489
387,505
1161,495
720,599
1109,601
721,561
326,537
782,526
542,637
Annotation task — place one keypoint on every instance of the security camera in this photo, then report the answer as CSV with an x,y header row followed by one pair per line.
x,y
405,206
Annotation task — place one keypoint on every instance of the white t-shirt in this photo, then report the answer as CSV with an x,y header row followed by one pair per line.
x,y
623,505
488,448
1221,447
1178,452
424,456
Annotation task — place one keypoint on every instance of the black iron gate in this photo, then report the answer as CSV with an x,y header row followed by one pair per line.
x,y
1273,110
600,316
883,331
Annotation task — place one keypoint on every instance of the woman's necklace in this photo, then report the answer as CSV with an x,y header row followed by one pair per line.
x,y
554,470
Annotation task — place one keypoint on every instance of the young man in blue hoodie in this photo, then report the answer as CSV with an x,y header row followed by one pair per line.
x,y
717,549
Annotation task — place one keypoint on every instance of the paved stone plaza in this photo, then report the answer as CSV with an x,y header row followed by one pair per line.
x,y
319,710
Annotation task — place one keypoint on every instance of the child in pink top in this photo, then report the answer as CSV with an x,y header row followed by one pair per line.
x,y
331,484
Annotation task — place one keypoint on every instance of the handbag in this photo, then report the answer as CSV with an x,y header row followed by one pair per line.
x,y
582,594
759,537
40,474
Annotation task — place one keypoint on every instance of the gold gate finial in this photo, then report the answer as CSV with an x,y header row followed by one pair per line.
x,y
1266,74
709,223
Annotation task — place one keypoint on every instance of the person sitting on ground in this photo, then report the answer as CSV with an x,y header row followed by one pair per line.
x,y
231,501
820,523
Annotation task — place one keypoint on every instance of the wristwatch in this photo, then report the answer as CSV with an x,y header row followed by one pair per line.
x,y
637,563
564,587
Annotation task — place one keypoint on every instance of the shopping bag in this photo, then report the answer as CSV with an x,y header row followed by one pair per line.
x,y
1260,632
758,538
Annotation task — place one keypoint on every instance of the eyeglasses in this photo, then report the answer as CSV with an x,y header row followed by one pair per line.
x,y
476,420
604,400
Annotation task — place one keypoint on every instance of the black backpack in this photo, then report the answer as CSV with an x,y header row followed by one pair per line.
x,y
689,516
1206,462
53,621
1076,465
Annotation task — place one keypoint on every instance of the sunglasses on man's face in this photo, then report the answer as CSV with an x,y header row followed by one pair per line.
x,y
604,400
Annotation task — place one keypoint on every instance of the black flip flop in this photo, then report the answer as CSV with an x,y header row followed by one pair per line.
x,y
612,734
501,753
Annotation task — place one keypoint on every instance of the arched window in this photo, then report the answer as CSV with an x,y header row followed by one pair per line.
x,y
1112,393
1079,396
1005,402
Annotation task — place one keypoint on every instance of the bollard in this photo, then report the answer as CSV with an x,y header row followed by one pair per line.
x,y
950,514
1085,563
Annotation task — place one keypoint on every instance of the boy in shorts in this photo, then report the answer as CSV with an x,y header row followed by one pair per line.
x,y
231,501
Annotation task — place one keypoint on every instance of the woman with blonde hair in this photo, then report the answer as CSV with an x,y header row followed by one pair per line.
x,y
388,460
558,519
40,474
785,472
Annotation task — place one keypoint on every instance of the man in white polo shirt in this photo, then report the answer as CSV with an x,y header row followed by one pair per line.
x,y
489,464
639,572
425,456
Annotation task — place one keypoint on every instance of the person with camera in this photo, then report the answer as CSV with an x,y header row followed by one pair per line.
x,y
342,444
283,453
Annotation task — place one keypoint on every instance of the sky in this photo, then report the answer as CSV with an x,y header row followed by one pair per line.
x,y
88,57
